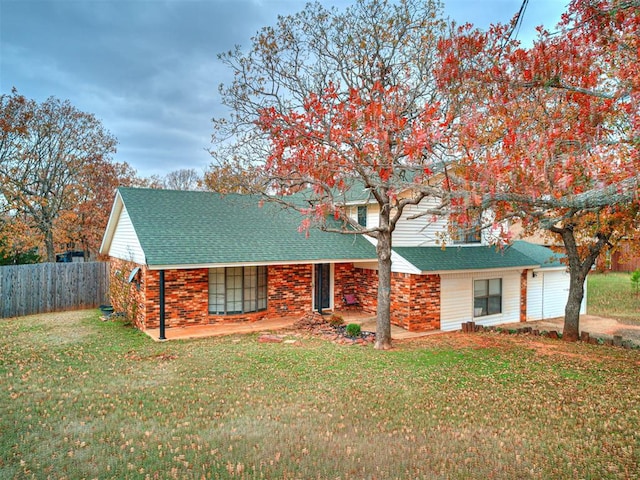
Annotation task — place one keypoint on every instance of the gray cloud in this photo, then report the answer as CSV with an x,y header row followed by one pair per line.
x,y
148,68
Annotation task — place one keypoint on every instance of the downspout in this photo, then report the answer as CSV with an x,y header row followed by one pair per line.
x,y
162,326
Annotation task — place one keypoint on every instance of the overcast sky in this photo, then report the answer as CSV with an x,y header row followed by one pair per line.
x,y
148,69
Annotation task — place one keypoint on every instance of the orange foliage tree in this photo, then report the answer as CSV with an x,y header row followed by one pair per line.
x,y
549,134
328,105
56,174
84,224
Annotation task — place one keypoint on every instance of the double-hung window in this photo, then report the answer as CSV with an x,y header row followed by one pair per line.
x,y
487,297
235,290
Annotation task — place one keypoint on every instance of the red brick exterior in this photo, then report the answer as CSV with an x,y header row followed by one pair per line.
x,y
360,282
289,290
186,294
523,296
129,298
415,299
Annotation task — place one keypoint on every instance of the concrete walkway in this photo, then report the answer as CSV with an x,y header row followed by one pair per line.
x,y
365,320
599,326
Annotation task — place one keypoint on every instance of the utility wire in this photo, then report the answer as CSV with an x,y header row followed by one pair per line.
x,y
518,23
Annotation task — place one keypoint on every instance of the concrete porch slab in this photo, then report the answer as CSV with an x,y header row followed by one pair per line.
x,y
366,320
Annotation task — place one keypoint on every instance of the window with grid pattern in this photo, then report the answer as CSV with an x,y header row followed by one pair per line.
x,y
235,290
487,297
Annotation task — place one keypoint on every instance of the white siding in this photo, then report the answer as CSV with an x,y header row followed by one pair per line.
x,y
398,263
125,244
456,299
534,296
547,294
422,231
373,215
373,211
426,230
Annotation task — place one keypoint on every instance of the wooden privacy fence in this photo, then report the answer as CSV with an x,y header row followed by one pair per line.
x,y
51,287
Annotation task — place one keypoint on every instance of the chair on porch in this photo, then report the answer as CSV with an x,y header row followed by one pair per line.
x,y
350,301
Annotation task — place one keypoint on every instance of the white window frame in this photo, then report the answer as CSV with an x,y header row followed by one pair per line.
x,y
488,294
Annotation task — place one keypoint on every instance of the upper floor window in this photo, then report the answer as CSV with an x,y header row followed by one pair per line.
x,y
467,235
362,215
487,297
237,290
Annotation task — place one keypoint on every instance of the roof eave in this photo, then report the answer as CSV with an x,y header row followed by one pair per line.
x,y
479,270
198,266
114,217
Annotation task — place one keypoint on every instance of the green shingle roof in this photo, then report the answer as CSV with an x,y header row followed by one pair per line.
x,y
203,228
546,257
453,258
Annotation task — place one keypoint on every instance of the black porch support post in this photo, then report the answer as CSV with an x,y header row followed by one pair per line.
x,y
319,288
162,336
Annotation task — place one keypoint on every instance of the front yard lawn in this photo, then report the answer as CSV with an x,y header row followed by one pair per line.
x,y
81,398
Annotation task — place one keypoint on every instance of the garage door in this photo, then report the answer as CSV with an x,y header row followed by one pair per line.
x,y
555,288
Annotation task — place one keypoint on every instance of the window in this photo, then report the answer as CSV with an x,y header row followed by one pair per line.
x,y
487,297
237,290
362,215
471,230
467,235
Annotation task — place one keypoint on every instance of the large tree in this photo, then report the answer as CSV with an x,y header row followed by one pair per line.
x,y
84,223
183,179
329,101
550,134
46,151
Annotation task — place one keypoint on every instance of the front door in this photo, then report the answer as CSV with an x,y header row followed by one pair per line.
x,y
322,287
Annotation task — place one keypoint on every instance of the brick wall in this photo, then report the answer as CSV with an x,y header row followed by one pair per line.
x,y
351,280
127,298
289,290
367,288
415,301
523,296
186,294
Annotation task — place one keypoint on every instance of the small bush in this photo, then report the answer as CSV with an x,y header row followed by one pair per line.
x,y
635,281
336,320
353,330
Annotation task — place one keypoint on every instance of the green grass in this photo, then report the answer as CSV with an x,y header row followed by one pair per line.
x,y
611,295
81,398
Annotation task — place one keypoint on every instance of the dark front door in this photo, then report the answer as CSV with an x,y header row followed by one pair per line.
x,y
322,290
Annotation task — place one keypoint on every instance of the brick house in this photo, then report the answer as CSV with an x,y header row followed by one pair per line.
x,y
193,258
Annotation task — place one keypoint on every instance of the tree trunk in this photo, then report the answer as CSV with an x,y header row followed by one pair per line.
x,y
578,271
49,245
571,331
383,314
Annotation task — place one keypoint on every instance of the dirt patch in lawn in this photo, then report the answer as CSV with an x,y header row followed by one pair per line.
x,y
593,324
